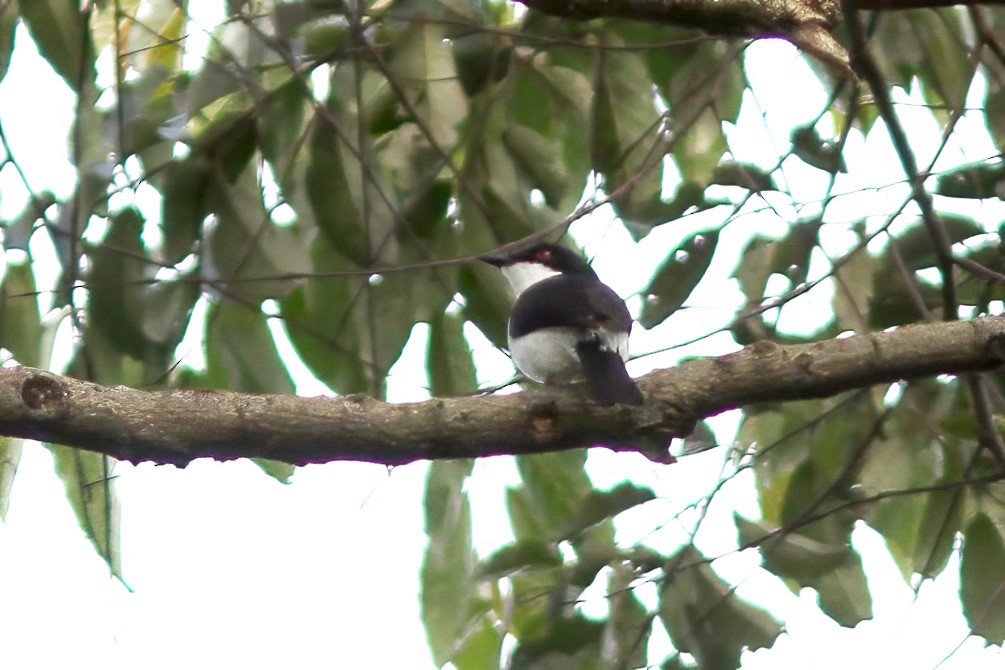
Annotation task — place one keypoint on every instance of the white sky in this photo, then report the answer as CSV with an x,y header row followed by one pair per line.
x,y
231,569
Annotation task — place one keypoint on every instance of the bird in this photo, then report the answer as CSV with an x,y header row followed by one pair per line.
x,y
566,325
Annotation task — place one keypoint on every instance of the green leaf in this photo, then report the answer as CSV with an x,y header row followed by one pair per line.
x,y
89,482
224,132
556,485
675,662
281,131
830,566
426,209
627,143
169,305
290,18
246,252
241,354
424,65
595,550
744,175
929,44
496,202
574,642
481,649
147,105
628,624
17,232
481,58
915,244
529,553
448,358
994,112
843,593
701,439
791,554
350,328
982,579
706,89
792,256
8,22
814,150
345,202
600,506
159,42
318,319
803,452
915,451
447,572
98,360
183,207
10,457
947,71
755,267
326,37
853,292
706,619
788,257
764,429
118,280
60,32
677,276
540,159
552,102
524,518
940,520
281,472
387,309
20,323
487,301
976,180
689,198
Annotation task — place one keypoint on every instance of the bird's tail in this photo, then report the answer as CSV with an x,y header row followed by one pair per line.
x,y
606,376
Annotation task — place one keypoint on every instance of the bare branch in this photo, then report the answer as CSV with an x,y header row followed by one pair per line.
x,y
806,23
893,5
177,426
729,17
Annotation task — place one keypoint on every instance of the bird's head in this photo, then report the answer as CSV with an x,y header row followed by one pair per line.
x,y
526,265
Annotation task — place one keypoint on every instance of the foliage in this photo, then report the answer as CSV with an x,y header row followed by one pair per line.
x,y
320,162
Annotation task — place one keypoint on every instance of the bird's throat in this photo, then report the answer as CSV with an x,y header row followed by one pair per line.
x,y
522,276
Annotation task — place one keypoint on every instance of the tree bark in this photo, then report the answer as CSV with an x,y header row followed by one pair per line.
x,y
806,23
178,426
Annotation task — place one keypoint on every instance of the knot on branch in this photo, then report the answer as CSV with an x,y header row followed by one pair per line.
x,y
43,393
544,416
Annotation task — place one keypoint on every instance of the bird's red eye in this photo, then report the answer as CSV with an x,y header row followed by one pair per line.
x,y
544,255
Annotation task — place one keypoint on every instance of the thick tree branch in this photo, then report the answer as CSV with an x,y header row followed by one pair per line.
x,y
177,426
806,23
723,17
893,5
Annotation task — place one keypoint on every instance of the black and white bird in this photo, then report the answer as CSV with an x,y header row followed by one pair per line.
x,y
566,325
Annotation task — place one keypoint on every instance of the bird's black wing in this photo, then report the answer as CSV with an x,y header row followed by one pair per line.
x,y
570,301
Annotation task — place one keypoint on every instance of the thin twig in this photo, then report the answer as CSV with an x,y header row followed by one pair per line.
x,y
867,67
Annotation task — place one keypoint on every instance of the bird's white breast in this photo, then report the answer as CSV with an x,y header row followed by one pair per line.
x,y
549,355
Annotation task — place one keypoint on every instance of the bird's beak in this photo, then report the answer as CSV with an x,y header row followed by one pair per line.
x,y
506,254
497,258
